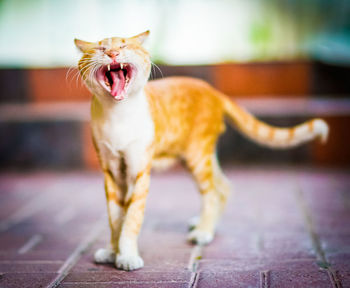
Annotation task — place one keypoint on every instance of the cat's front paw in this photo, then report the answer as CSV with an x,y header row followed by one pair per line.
x,y
128,262
200,237
104,256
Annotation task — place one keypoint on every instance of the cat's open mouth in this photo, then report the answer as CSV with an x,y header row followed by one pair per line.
x,y
115,78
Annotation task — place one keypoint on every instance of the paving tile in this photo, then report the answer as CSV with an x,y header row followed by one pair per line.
x,y
285,245
262,232
59,240
163,284
329,214
334,244
262,220
210,279
26,280
51,238
298,274
230,265
175,192
233,247
331,193
340,264
53,196
18,190
124,276
265,201
51,255
278,246
29,266
12,241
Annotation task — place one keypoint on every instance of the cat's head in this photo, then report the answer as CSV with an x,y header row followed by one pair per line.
x,y
115,67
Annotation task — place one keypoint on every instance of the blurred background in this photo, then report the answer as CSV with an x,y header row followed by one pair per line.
x,y
285,61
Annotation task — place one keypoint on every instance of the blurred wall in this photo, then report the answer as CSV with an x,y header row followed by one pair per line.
x,y
286,61
44,116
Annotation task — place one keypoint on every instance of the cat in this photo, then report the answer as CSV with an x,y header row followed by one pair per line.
x,y
137,124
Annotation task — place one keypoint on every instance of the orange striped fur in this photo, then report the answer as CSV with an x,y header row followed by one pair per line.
x,y
164,120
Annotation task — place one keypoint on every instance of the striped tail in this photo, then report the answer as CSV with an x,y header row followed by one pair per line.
x,y
271,136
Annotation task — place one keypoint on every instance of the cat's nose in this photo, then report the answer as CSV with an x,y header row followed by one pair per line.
x,y
112,53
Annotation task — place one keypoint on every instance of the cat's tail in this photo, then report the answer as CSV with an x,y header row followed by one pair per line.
x,y
274,137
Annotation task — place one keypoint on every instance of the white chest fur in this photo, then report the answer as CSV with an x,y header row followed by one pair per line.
x,y
124,129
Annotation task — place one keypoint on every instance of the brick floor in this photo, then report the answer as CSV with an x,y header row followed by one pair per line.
x,y
283,227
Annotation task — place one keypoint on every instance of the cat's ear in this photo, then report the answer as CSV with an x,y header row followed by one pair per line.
x,y
141,37
83,45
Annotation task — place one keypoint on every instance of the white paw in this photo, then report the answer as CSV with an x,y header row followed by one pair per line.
x,y
128,262
193,222
104,256
200,237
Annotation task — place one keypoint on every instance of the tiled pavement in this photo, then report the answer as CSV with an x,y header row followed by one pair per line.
x,y
283,227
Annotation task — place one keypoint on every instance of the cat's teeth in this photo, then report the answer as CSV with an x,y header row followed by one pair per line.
x,y
109,67
121,65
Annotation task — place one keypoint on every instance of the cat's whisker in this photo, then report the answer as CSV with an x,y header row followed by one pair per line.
x,y
81,74
78,79
152,72
70,70
87,68
160,71
92,73
90,77
73,75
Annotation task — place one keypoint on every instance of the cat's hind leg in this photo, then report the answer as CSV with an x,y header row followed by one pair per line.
x,y
115,215
213,188
222,187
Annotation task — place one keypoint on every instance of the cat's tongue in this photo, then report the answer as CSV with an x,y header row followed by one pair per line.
x,y
118,83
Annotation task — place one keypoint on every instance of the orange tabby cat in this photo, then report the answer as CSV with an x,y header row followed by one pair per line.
x,y
136,124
